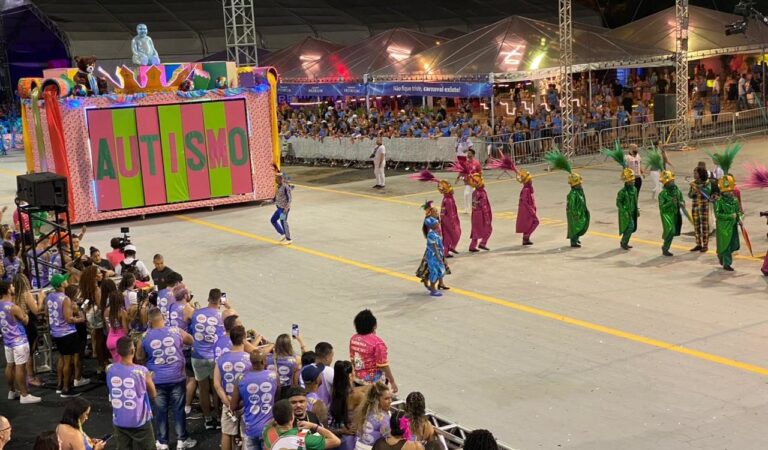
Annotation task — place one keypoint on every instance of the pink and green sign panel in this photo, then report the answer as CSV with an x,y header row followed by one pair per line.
x,y
171,153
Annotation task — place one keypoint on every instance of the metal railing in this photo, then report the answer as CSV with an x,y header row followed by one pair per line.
x,y
525,149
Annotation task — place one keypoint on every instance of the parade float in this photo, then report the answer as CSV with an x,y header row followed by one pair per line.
x,y
153,138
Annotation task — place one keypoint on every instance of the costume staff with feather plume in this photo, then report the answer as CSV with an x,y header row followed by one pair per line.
x,y
727,209
576,208
626,199
450,225
758,179
482,216
671,201
527,220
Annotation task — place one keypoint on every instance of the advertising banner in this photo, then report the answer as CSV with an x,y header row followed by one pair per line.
x,y
151,155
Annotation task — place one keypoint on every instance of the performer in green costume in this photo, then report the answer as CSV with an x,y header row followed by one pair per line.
x,y
727,211
576,210
671,200
626,200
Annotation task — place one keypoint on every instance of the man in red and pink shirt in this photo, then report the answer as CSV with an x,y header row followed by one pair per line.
x,y
368,353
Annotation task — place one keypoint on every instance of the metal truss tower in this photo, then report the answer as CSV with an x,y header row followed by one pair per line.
x,y
681,72
566,85
240,31
6,90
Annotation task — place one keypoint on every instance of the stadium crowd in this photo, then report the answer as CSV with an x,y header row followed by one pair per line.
x,y
601,104
159,355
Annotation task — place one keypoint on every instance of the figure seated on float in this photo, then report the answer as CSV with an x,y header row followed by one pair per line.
x,y
143,48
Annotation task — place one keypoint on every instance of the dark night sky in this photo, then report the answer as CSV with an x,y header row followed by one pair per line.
x,y
620,12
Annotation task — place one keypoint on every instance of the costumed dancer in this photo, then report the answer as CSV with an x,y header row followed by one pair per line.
x,y
727,209
482,216
626,199
466,168
700,194
450,225
425,271
527,220
671,201
758,179
576,210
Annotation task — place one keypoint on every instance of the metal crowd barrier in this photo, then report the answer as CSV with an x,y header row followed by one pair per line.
x,y
725,125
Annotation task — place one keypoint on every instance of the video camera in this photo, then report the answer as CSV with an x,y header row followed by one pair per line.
x,y
124,239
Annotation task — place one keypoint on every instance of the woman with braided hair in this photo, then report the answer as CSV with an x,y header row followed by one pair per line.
x,y
416,411
344,401
400,435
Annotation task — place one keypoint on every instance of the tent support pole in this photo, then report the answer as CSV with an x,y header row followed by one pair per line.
x,y
762,66
590,90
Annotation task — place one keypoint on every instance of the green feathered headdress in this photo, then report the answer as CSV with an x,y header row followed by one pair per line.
x,y
725,159
617,154
558,160
654,160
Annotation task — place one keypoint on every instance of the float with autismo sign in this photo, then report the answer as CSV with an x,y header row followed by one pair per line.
x,y
162,138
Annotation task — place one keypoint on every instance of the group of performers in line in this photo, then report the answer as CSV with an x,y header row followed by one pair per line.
x,y
442,228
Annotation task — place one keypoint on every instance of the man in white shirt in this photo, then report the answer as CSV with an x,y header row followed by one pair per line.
x,y
742,101
379,163
634,162
132,265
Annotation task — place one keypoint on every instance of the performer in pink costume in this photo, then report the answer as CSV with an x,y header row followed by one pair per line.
x,y
482,216
527,221
450,225
449,219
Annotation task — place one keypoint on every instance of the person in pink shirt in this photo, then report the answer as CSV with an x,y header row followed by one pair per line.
x,y
368,353
116,256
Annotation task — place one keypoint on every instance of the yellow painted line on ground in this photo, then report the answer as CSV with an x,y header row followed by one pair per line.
x,y
356,194
9,172
501,302
658,244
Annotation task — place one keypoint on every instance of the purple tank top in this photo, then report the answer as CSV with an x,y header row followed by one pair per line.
x,y
165,358
127,387
207,327
231,366
54,302
258,390
312,399
223,345
11,268
164,301
286,367
376,426
14,333
176,315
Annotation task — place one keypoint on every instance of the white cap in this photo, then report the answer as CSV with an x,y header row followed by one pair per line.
x,y
129,247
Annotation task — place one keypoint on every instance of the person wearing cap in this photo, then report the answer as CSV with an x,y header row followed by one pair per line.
x,y
312,375
132,265
12,322
62,324
283,197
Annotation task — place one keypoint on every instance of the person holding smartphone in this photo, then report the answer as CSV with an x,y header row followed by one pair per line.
x,y
70,429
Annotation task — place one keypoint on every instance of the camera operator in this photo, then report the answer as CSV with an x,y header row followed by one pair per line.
x,y
132,265
116,256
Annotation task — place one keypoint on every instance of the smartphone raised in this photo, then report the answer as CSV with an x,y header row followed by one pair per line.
x,y
223,297
294,330
106,437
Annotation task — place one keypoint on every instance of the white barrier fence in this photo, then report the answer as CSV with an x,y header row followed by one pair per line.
x,y
727,125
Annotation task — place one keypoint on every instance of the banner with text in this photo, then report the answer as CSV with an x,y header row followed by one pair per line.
x,y
321,89
152,155
430,89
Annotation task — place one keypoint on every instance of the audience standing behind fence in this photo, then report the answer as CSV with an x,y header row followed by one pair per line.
x,y
259,390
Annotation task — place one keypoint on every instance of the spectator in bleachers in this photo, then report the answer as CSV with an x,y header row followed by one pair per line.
x,y
324,355
64,333
230,366
287,366
32,305
297,396
344,401
369,352
255,391
105,266
480,440
115,316
5,431
70,431
314,438
399,435
131,388
47,440
312,376
16,345
372,416
416,411
162,350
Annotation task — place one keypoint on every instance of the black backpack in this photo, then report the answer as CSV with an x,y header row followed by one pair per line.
x,y
129,268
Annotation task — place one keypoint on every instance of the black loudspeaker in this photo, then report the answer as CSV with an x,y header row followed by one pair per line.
x,y
664,107
43,190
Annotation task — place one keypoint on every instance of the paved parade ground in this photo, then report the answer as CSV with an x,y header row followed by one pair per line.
x,y
547,346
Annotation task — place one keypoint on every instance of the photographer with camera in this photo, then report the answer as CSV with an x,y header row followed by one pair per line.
x,y
132,265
